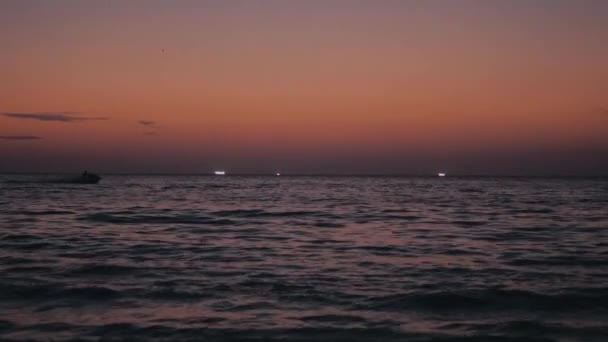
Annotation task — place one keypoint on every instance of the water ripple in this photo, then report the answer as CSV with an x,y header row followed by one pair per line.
x,y
304,258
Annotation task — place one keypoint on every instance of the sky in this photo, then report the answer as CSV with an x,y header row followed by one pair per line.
x,y
305,87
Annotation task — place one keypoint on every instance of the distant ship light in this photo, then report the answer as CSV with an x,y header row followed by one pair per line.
x,y
220,173
441,174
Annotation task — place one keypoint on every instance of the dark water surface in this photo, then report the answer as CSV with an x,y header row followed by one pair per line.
x,y
304,258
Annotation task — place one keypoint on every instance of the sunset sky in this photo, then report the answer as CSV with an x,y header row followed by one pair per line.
x,y
345,87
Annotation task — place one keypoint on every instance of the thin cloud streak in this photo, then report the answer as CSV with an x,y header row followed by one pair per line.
x,y
151,125
147,123
66,117
19,137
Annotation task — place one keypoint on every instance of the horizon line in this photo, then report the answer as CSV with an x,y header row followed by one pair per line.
x,y
273,175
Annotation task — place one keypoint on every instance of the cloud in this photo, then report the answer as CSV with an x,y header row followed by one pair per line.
x,y
151,127
19,137
147,123
52,116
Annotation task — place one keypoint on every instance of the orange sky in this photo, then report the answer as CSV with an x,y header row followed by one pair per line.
x,y
349,86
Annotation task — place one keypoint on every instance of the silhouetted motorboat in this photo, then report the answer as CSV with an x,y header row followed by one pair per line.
x,y
85,178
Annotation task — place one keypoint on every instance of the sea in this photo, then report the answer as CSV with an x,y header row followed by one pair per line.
x,y
295,258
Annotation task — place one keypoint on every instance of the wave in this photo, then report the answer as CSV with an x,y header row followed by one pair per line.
x,y
103,269
261,305
468,223
47,293
491,300
39,212
253,213
11,260
472,190
154,219
534,327
175,294
29,269
19,237
533,211
168,332
334,318
560,261
31,245
329,225
41,291
6,326
371,217
179,187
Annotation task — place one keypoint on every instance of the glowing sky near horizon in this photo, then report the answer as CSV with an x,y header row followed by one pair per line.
x,y
496,87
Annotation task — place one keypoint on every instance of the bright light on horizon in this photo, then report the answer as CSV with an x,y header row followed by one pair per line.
x,y
220,173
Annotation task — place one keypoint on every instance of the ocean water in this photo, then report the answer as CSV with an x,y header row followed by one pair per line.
x,y
180,258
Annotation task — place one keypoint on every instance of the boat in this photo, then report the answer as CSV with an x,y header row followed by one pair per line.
x,y
441,174
220,173
85,178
